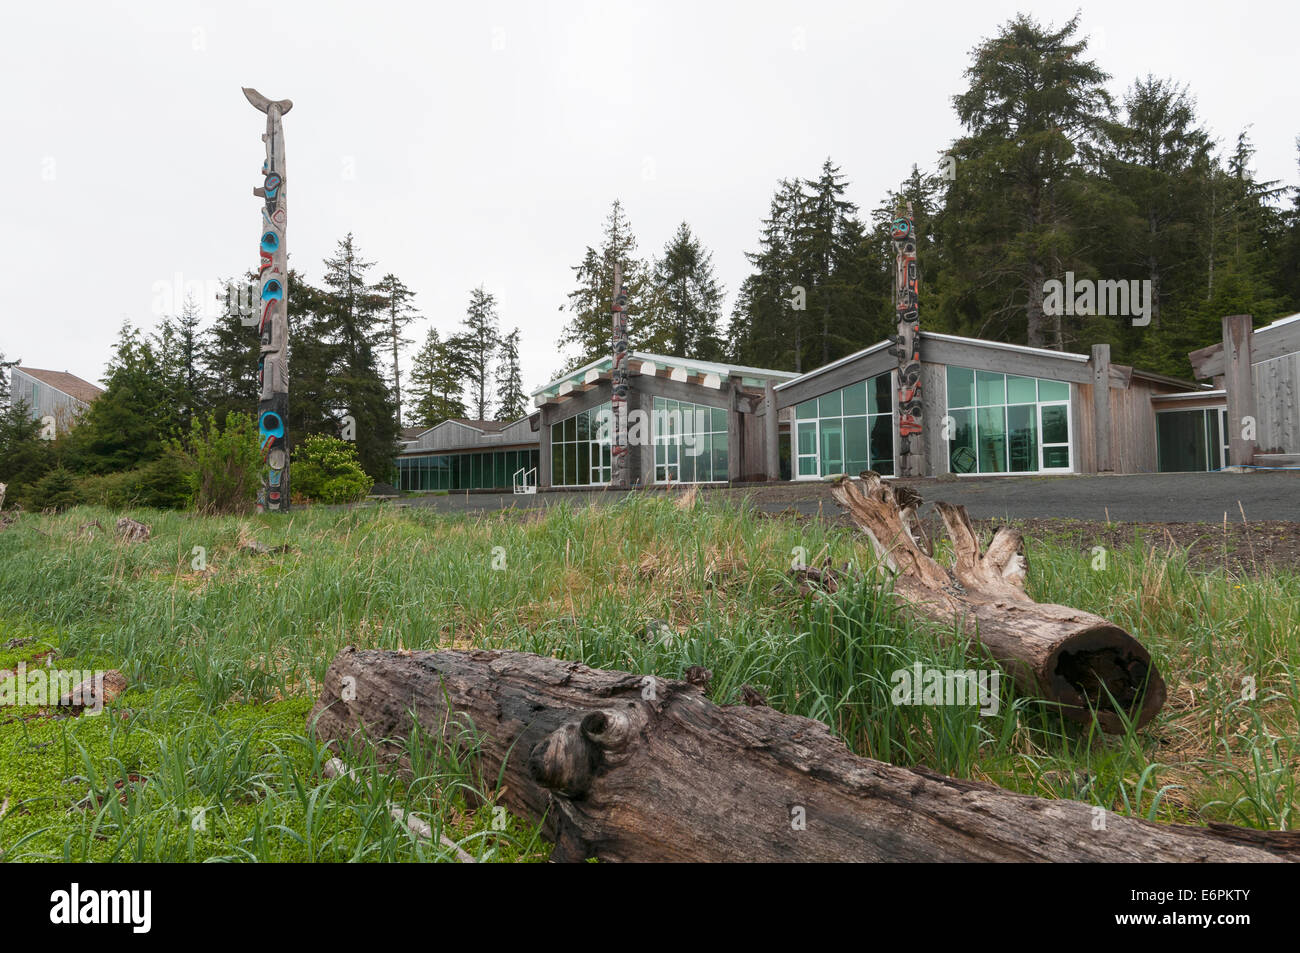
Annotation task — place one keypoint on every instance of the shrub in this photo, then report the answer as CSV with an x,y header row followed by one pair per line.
x,y
58,490
221,466
326,469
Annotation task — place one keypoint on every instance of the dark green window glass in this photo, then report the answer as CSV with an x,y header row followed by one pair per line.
x,y
806,411
992,439
882,444
856,444
1056,424
1022,437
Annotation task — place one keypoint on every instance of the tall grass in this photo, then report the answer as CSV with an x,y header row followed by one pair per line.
x,y
640,584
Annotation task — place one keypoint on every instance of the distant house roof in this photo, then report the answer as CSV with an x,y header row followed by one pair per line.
x,y
411,433
70,384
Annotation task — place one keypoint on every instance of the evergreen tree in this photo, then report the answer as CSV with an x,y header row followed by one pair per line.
x,y
511,400
24,457
348,317
768,324
590,329
1011,213
475,345
825,234
127,424
226,363
689,301
436,376
398,314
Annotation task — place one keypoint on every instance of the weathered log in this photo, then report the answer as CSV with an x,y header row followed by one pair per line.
x,y
133,531
628,767
1078,660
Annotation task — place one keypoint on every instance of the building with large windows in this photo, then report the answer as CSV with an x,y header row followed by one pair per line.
x,y
689,421
988,409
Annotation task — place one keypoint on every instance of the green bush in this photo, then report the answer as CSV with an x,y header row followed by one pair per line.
x,y
326,470
58,490
221,466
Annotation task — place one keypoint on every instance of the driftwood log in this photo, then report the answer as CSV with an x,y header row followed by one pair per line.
x,y
1078,660
626,767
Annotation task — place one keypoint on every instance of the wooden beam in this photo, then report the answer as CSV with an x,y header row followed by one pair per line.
x,y
1240,385
771,433
1266,344
1101,422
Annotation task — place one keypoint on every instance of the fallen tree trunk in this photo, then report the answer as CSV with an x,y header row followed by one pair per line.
x,y
627,767
1078,660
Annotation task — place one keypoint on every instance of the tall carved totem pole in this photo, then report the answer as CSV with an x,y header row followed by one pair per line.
x,y
273,298
618,382
907,346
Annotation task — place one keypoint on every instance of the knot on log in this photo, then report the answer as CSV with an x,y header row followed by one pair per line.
x,y
566,760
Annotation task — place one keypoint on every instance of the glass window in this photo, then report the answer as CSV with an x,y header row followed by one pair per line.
x,y
961,387
857,443
830,405
962,456
1053,390
992,439
1011,431
685,438
855,399
1022,437
805,411
1056,424
1022,390
990,388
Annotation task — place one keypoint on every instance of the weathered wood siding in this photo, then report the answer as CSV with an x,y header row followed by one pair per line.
x,y
1133,427
1277,403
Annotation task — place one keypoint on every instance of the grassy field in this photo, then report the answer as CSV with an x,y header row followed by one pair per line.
x,y
207,754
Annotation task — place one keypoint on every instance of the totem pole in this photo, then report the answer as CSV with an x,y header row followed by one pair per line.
x,y
618,382
907,347
273,281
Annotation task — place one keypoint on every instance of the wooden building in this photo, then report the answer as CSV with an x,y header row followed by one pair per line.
x,y
56,396
988,409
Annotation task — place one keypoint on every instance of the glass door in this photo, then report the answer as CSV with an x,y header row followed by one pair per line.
x,y
831,443
1054,448
806,446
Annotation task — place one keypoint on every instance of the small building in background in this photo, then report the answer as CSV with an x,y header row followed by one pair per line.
x,y
56,396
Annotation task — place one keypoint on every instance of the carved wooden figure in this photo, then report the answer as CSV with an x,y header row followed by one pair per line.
x,y
273,299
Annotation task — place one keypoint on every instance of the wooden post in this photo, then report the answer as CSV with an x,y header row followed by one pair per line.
x,y
907,348
618,382
273,282
1101,424
1242,416
771,432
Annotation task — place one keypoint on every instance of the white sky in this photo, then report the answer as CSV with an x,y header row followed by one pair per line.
x,y
483,143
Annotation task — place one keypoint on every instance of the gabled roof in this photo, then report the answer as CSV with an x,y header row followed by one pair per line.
x,y
69,384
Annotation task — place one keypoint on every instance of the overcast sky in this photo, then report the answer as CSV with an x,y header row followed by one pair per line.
x,y
483,142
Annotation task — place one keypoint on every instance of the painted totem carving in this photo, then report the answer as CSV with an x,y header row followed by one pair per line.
x,y
273,299
907,346
618,382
